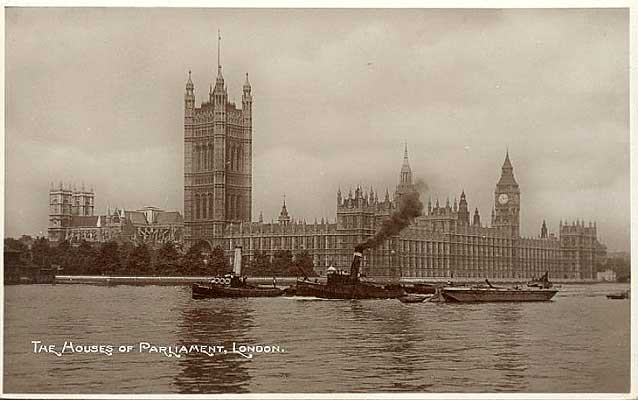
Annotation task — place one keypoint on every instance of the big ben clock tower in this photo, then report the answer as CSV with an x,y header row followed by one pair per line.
x,y
507,200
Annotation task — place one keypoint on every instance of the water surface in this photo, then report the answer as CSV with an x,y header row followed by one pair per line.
x,y
579,342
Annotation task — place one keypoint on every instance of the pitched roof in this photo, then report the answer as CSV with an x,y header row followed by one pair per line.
x,y
168,217
507,172
137,217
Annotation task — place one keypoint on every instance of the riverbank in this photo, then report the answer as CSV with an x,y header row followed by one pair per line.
x,y
155,280
281,281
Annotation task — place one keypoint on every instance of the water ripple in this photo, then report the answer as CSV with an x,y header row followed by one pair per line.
x,y
577,343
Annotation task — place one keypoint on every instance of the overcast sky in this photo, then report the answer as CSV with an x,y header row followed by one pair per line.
x,y
96,96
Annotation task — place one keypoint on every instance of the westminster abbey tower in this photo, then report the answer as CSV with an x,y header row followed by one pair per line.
x,y
217,161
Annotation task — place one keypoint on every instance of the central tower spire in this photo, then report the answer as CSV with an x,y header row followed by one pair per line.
x,y
405,178
406,171
219,81
219,45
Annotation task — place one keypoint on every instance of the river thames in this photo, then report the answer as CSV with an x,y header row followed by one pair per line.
x,y
579,342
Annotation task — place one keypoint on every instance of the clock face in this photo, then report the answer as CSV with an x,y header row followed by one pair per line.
x,y
503,198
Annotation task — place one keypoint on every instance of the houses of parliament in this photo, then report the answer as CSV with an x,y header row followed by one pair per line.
x,y
447,241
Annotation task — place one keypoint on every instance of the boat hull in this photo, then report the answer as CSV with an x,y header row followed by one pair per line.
x,y
619,296
421,288
472,295
200,291
348,290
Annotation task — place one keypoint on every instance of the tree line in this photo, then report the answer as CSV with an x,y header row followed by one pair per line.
x,y
116,258
621,266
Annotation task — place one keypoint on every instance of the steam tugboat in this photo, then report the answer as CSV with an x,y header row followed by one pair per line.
x,y
341,285
232,285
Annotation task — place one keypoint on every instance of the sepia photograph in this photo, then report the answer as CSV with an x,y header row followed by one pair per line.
x,y
293,202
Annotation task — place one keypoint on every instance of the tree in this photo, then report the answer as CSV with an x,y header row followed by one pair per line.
x,y
138,261
303,265
282,263
41,252
167,259
62,253
218,263
621,266
15,244
83,260
193,260
259,266
109,258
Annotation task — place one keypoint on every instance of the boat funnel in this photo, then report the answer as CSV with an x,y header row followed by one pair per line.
x,y
237,261
356,264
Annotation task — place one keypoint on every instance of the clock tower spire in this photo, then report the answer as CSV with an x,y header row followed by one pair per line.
x,y
507,204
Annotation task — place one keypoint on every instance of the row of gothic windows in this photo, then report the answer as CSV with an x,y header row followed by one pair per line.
x,y
203,158
204,206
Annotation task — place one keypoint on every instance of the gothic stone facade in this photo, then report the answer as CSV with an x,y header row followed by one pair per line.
x,y
71,217
443,243
217,162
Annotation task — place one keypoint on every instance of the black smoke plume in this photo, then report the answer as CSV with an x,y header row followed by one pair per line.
x,y
409,208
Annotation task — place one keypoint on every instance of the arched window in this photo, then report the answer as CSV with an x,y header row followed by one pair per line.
x,y
204,201
239,207
196,206
196,158
205,158
234,207
210,157
210,206
232,158
239,159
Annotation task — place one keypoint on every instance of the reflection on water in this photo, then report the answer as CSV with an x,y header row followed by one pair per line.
x,y
577,343
214,322
508,332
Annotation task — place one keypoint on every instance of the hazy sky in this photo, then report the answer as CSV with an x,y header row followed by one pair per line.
x,y
96,96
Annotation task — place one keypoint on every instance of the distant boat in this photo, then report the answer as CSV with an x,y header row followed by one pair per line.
x,y
619,296
232,285
483,294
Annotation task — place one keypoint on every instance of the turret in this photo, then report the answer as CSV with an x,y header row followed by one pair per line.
x,y
543,230
463,213
284,218
247,88
476,221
